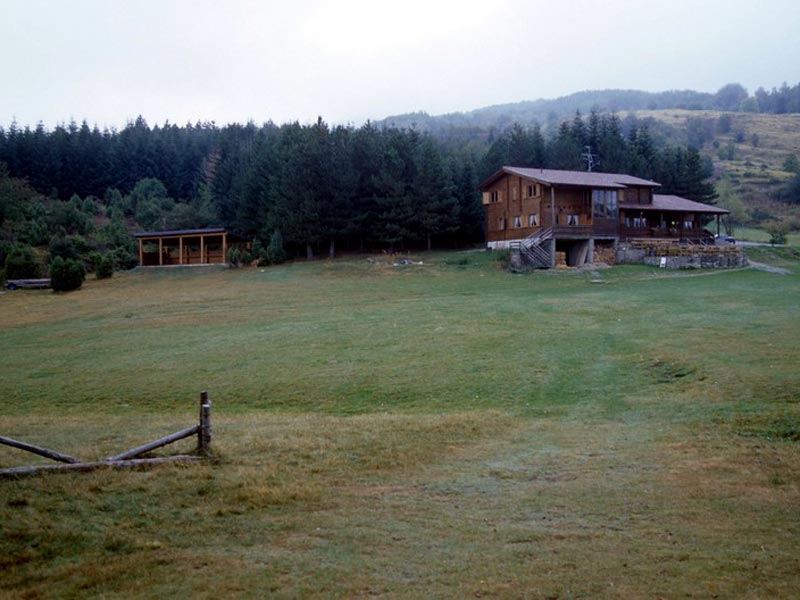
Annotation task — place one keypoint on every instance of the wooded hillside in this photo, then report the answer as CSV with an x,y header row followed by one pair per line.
x,y
304,190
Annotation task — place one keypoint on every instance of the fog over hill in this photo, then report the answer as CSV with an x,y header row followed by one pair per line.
x,y
548,112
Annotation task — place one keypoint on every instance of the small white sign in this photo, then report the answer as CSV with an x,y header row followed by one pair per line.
x,y
663,262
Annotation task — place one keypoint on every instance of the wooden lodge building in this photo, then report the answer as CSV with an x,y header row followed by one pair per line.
x,y
187,246
545,211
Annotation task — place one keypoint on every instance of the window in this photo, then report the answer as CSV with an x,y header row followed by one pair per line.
x,y
605,203
636,222
533,220
572,220
533,190
517,222
687,224
501,223
494,196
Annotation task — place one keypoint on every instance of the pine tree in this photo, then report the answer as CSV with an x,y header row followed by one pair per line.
x,y
696,184
437,206
564,152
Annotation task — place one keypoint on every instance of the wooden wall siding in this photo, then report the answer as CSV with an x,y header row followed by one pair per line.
x,y
513,201
639,195
572,202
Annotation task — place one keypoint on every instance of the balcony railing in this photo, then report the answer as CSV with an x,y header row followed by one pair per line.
x,y
572,231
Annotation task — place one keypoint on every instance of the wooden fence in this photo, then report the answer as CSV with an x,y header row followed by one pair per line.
x,y
125,459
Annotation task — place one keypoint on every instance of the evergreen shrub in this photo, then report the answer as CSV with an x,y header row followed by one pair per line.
x,y
66,274
275,252
21,263
233,257
104,268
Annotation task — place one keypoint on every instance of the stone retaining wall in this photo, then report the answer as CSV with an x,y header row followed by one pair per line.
x,y
682,257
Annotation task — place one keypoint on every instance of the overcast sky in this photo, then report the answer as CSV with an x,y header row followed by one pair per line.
x,y
236,60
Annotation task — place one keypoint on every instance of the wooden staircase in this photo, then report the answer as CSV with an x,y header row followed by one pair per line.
x,y
535,250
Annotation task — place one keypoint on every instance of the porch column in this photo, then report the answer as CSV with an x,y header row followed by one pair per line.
x,y
553,209
683,219
225,247
717,225
180,250
141,253
160,252
203,249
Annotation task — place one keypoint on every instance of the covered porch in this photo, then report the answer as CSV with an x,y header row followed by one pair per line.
x,y
187,246
669,218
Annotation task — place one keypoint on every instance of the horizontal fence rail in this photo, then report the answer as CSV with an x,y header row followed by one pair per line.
x,y
125,459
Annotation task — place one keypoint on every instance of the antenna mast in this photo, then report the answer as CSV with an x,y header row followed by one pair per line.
x,y
591,159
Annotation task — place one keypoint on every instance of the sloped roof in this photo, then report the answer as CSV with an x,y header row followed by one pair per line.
x,y
573,178
232,236
171,232
675,203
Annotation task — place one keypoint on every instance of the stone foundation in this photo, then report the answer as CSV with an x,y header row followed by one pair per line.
x,y
674,256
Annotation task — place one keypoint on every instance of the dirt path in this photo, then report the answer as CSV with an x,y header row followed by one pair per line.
x,y
770,268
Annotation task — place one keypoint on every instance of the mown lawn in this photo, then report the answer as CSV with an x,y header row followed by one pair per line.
x,y
751,234
439,430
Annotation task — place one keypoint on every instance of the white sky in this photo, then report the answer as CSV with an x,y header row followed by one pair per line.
x,y
349,60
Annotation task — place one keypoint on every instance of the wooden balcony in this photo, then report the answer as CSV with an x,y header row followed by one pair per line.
x,y
572,232
673,233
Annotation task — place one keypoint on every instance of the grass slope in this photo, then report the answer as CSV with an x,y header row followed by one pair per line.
x,y
441,430
756,171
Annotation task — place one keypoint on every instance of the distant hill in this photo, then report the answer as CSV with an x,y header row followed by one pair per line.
x,y
548,112
544,111
751,149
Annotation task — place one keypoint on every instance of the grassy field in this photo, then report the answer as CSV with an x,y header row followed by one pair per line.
x,y
751,234
441,430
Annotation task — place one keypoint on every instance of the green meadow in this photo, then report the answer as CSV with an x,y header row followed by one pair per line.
x,y
445,429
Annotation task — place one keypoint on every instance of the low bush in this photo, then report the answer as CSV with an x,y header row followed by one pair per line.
x,y
777,232
66,274
21,263
104,268
234,257
124,259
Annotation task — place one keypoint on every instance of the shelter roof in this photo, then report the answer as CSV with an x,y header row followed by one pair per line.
x,y
188,232
675,203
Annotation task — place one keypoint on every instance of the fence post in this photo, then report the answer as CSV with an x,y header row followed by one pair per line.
x,y
204,433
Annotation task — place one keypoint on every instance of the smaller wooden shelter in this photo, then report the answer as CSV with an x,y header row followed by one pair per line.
x,y
188,246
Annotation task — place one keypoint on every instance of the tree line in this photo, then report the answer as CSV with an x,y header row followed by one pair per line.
x,y
616,147
311,189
